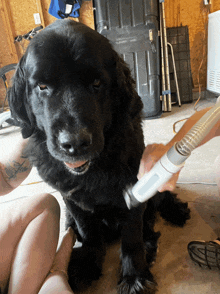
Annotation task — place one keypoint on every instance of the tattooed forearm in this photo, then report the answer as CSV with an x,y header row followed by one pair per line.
x,y
14,168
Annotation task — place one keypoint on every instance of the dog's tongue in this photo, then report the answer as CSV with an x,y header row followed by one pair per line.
x,y
75,164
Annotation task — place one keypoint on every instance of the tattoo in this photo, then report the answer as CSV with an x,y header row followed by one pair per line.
x,y
15,168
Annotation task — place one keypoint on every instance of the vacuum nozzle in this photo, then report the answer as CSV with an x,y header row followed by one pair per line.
x,y
161,172
172,161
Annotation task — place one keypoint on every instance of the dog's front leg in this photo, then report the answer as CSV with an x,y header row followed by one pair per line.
x,y
136,277
86,261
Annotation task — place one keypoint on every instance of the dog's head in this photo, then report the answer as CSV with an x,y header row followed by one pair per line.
x,y
71,85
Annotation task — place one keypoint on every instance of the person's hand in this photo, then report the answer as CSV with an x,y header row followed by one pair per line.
x,y
151,155
62,257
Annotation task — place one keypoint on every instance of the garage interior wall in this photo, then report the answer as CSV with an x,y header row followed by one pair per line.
x,y
16,18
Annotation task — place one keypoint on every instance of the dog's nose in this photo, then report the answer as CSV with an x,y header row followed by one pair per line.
x,y
74,144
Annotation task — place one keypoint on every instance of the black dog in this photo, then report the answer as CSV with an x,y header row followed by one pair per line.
x,y
75,98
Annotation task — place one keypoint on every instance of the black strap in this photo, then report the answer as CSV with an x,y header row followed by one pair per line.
x,y
70,2
62,14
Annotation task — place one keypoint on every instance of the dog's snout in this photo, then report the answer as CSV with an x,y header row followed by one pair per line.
x,y
74,143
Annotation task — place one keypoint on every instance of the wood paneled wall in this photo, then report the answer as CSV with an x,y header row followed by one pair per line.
x,y
178,12
16,18
194,14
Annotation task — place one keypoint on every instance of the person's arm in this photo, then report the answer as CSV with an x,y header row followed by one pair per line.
x,y
55,283
154,152
14,167
57,279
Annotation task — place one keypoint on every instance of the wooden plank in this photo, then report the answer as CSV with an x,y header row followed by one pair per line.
x,y
9,27
39,7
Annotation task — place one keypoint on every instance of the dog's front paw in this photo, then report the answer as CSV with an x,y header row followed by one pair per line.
x,y
137,285
84,267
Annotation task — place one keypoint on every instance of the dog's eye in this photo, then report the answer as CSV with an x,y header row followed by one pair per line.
x,y
42,87
96,84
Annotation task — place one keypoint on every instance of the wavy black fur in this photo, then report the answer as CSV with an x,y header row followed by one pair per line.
x,y
71,84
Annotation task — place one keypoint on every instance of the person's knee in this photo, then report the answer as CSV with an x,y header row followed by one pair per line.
x,y
217,170
50,203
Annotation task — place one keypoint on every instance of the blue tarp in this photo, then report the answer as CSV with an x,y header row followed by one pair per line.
x,y
58,8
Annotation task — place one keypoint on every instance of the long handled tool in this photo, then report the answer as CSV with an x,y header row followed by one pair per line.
x,y
172,161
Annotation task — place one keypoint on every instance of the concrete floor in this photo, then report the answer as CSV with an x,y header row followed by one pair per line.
x,y
174,271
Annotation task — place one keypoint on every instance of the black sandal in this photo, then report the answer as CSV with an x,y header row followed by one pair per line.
x,y
205,254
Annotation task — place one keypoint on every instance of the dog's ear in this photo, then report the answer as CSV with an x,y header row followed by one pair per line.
x,y
126,93
18,101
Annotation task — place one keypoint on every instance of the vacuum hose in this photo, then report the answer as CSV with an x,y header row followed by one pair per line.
x,y
172,161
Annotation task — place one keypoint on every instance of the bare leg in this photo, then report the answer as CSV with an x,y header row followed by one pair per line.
x,y
57,280
217,171
28,238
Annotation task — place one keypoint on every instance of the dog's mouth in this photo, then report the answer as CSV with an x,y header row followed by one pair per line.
x,y
78,167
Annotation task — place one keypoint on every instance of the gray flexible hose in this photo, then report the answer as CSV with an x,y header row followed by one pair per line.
x,y
199,131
